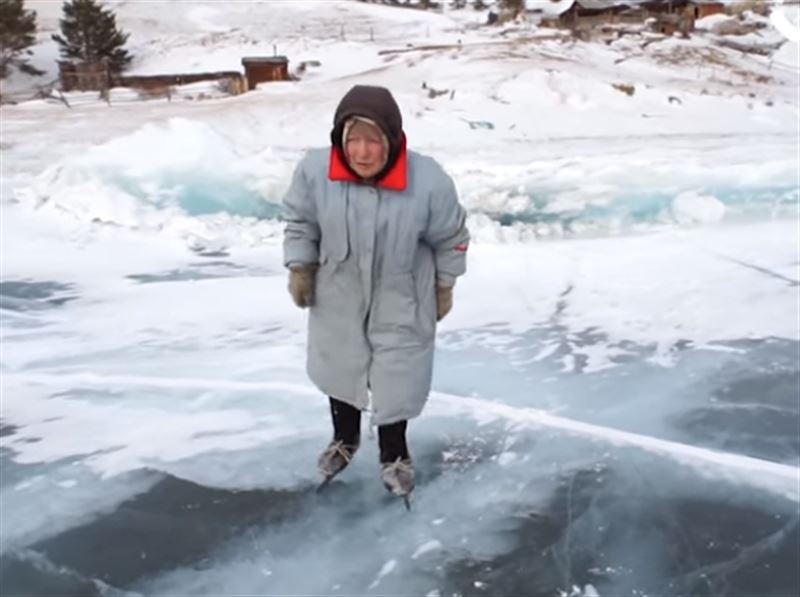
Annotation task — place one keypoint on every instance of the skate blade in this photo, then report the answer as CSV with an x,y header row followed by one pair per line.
x,y
407,502
325,482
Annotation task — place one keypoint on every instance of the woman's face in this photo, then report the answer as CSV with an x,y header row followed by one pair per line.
x,y
364,149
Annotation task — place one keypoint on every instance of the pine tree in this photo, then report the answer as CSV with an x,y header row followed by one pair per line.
x,y
17,35
89,33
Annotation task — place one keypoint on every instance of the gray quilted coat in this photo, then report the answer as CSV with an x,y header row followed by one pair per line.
x,y
380,254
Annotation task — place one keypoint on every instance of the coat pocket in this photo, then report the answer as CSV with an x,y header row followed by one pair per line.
x,y
424,276
400,316
395,304
402,245
334,244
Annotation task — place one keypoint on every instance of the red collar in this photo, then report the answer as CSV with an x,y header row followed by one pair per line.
x,y
394,180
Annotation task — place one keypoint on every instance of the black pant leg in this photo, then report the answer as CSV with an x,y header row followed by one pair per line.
x,y
346,422
392,441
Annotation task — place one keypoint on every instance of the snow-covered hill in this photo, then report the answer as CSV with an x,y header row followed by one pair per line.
x,y
518,104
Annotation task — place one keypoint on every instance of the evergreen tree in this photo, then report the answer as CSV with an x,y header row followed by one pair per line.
x,y
89,33
17,35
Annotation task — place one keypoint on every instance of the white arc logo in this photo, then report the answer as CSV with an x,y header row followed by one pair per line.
x,y
783,24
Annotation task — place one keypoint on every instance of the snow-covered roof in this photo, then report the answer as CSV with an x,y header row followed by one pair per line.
x,y
550,8
603,4
554,8
600,4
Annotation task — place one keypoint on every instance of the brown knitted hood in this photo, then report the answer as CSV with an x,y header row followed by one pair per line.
x,y
377,104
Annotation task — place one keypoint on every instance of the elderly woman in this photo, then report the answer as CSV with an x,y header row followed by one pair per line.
x,y
374,241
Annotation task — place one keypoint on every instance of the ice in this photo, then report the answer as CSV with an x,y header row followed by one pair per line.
x,y
425,548
387,568
198,171
159,166
694,208
57,497
615,388
192,427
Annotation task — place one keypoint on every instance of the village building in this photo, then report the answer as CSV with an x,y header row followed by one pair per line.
x,y
670,16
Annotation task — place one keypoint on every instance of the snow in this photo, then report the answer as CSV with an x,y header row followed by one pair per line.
x,y
788,57
387,568
786,19
154,163
425,548
691,208
550,9
590,591
711,21
623,348
777,477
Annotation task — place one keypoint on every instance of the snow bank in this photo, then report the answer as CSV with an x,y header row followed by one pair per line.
x,y
181,166
695,208
788,57
709,22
